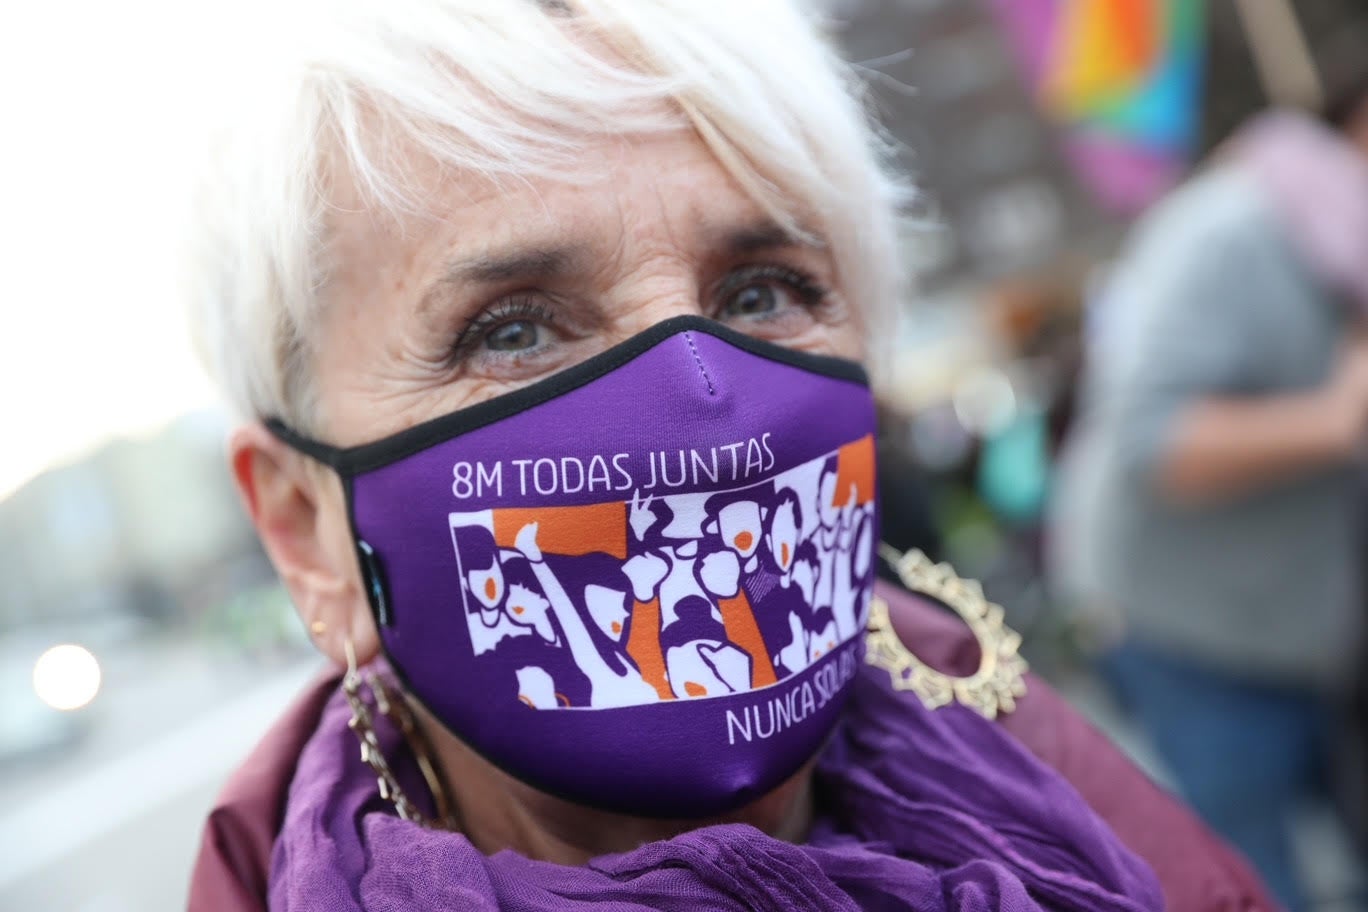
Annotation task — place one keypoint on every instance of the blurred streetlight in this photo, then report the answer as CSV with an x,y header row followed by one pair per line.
x,y
66,677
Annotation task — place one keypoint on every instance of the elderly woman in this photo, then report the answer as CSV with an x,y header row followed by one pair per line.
x,y
547,321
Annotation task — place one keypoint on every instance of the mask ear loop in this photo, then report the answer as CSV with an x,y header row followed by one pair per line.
x,y
362,723
1001,676
328,455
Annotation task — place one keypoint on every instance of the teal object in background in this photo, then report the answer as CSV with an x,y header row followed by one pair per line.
x,y
1014,469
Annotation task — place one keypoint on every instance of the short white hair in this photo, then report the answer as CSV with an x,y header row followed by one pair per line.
x,y
345,90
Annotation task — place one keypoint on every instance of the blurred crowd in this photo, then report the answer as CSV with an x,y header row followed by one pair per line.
x,y
1171,449
1210,499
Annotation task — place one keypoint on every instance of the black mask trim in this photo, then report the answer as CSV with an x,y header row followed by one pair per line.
x,y
352,461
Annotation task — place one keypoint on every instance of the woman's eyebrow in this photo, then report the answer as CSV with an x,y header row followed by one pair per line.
x,y
521,264
540,263
759,236
506,266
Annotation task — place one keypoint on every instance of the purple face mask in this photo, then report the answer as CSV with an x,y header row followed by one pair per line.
x,y
640,584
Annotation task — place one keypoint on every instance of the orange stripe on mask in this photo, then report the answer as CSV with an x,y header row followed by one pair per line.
x,y
643,645
738,620
855,469
568,531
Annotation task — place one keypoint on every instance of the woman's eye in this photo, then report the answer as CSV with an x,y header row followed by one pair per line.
x,y
761,292
514,336
520,326
753,300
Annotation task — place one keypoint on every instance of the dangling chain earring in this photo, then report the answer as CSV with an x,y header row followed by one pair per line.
x,y
1000,678
392,706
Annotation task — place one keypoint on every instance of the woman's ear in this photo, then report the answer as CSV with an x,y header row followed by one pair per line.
x,y
300,514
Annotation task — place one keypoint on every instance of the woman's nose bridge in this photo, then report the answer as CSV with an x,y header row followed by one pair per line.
x,y
654,305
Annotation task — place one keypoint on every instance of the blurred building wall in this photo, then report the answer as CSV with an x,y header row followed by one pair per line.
x,y
138,526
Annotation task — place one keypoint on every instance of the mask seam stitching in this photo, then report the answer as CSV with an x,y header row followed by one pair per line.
x,y
688,337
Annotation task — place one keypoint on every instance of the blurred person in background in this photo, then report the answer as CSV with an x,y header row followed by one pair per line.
x,y
545,322
1209,505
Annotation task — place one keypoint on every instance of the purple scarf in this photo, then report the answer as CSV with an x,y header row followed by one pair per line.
x,y
919,810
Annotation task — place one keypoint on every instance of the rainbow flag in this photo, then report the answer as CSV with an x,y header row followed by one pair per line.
x,y
1123,80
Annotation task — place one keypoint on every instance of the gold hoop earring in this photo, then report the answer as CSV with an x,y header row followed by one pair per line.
x,y
1001,676
362,724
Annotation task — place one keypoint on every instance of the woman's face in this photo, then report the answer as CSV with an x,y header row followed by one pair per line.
x,y
509,285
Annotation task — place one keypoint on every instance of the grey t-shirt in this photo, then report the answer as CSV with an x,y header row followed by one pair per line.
x,y
1211,300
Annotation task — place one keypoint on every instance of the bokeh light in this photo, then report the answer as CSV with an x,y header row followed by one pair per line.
x,y
66,677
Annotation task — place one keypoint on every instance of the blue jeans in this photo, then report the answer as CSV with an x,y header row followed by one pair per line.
x,y
1243,753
